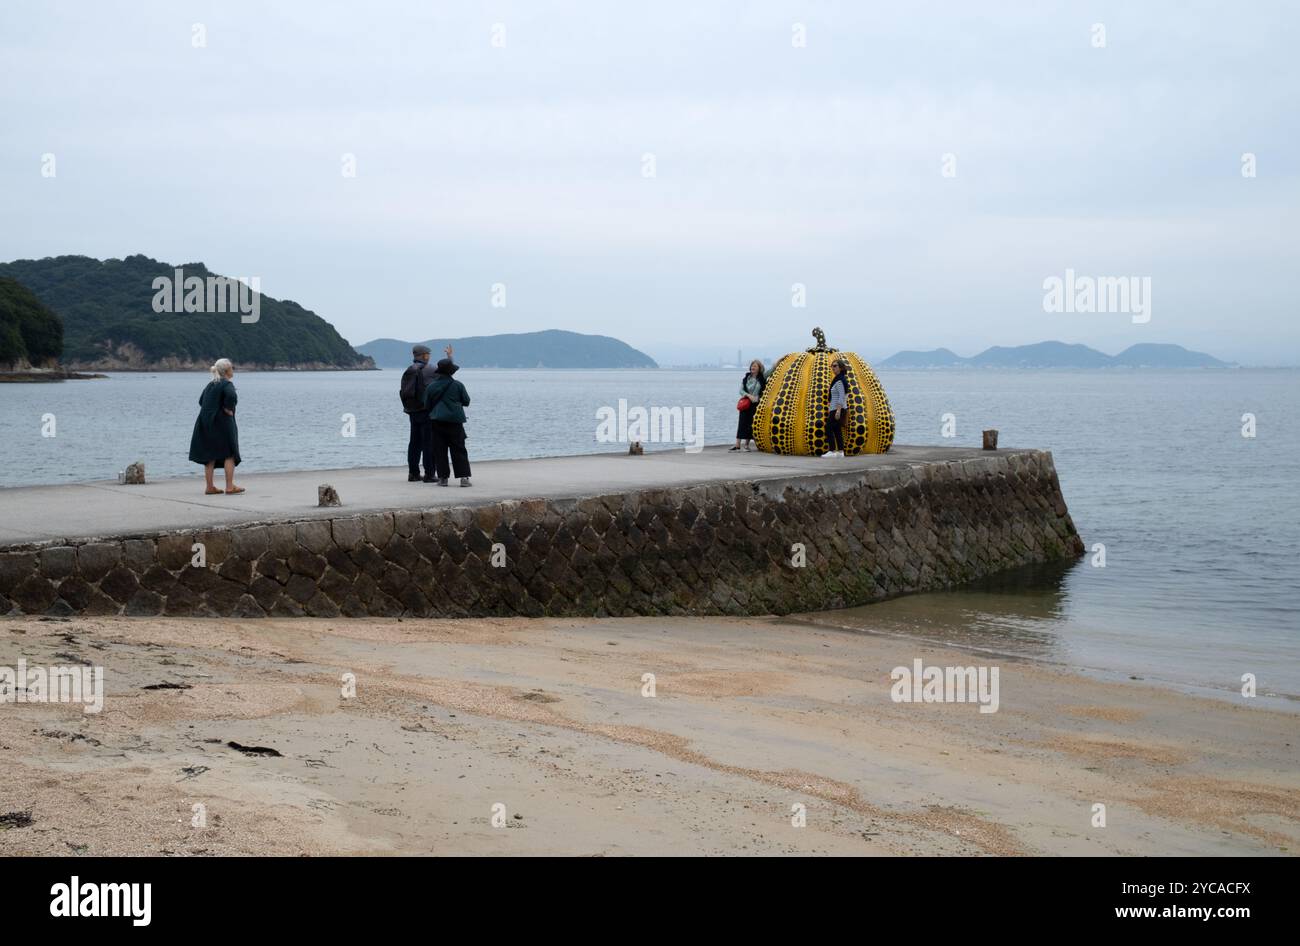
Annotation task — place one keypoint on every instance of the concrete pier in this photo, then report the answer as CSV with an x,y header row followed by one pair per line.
x,y
31,514
667,532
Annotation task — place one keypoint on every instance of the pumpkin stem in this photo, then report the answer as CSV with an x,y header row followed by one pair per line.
x,y
821,341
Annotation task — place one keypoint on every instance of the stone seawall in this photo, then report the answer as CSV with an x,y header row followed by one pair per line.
x,y
721,548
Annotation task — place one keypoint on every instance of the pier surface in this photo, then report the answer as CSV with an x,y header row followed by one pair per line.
x,y
664,533
37,514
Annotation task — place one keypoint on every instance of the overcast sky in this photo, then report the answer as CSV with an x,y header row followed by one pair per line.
x,y
506,142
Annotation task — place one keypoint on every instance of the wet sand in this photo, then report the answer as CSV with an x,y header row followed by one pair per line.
x,y
544,724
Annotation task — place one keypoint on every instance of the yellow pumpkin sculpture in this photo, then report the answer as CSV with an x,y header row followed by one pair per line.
x,y
791,416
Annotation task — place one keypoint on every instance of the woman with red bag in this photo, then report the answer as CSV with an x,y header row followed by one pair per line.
x,y
751,389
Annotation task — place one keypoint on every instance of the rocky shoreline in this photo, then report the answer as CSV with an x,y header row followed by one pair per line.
x,y
93,371
45,375
191,367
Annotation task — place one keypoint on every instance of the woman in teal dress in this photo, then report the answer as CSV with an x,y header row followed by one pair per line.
x,y
216,435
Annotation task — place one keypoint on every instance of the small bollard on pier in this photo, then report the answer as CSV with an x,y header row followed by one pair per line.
x,y
990,440
327,495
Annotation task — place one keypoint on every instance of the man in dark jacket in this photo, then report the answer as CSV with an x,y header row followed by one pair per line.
x,y
415,380
446,400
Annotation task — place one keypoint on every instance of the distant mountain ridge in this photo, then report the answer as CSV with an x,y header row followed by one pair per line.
x,y
1059,355
110,323
553,348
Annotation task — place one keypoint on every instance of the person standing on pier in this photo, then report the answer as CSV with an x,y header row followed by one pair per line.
x,y
446,399
216,435
415,379
751,389
838,407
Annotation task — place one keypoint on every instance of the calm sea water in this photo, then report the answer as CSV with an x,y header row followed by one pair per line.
x,y
1201,526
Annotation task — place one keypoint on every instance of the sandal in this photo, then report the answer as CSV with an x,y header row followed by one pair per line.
x,y
213,491
733,450
230,491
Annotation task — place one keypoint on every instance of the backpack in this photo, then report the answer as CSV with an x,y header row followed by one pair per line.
x,y
412,390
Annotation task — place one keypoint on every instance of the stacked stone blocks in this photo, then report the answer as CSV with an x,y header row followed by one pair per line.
x,y
726,548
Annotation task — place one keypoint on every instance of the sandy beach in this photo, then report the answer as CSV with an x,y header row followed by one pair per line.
x,y
546,728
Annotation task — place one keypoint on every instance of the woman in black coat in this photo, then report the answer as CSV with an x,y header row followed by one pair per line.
x,y
751,386
216,436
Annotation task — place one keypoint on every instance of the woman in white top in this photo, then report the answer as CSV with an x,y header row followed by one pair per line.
x,y
838,407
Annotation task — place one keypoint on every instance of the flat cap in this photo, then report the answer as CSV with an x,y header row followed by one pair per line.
x,y
420,350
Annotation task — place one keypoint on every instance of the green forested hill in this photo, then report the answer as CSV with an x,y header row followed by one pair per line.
x,y
109,320
29,332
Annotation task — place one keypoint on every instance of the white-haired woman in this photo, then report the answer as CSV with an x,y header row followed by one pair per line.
x,y
216,436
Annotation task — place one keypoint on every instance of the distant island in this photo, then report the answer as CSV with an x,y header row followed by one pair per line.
x,y
1058,355
110,319
552,348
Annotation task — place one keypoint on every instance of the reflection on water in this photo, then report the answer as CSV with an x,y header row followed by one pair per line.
x,y
1017,613
1040,613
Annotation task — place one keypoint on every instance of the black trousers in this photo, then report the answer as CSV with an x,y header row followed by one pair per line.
x,y
449,437
835,431
420,446
745,425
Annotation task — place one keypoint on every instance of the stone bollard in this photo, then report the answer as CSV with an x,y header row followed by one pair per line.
x,y
134,475
990,440
326,495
